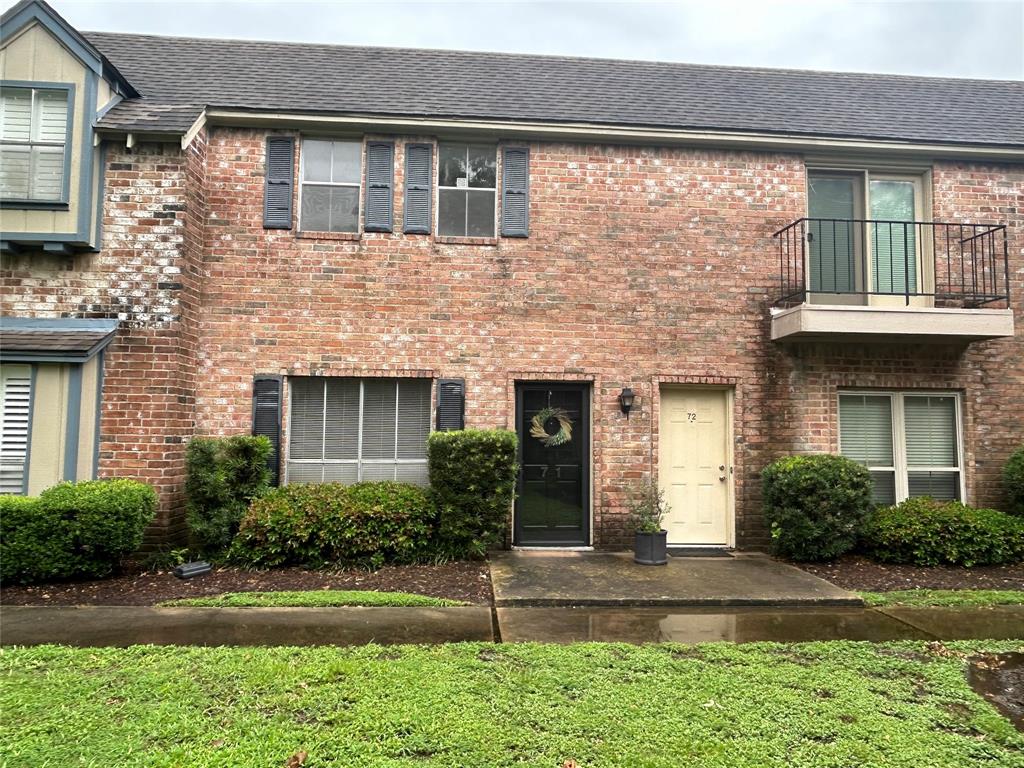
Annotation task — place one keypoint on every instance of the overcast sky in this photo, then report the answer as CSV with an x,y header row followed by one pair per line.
x,y
957,38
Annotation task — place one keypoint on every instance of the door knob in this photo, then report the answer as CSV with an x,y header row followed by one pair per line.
x,y
722,478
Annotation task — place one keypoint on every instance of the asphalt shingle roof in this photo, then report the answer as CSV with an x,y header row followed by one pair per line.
x,y
191,73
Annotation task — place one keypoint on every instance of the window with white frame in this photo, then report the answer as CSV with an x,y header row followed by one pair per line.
x,y
16,405
466,190
346,430
331,174
33,135
910,441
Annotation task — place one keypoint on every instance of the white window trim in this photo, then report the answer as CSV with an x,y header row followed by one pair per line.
x,y
359,461
899,437
358,185
494,189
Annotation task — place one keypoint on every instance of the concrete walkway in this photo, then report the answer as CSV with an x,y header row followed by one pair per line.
x,y
613,579
122,626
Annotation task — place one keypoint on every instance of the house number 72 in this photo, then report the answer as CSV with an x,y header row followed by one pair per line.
x,y
691,416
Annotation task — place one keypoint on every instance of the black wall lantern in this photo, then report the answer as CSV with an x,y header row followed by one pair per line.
x,y
626,398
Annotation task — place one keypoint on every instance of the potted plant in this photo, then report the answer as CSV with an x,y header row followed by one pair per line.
x,y
651,544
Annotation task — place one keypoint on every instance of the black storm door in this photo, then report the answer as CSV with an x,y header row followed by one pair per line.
x,y
553,501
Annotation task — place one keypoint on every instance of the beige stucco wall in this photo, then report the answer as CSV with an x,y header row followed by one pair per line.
x,y
36,55
49,426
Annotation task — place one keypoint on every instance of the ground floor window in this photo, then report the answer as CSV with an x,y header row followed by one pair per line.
x,y
909,440
346,429
16,405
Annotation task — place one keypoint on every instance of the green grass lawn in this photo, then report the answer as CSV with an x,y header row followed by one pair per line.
x,y
944,597
820,705
323,598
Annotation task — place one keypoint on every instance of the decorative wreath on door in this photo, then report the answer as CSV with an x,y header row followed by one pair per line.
x,y
538,427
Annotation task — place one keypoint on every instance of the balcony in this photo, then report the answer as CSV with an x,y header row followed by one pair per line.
x,y
871,279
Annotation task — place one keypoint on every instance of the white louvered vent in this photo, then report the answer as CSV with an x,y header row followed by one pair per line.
x,y
16,396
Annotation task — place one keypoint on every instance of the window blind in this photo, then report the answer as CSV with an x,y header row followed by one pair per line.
x,y
932,456
865,434
16,402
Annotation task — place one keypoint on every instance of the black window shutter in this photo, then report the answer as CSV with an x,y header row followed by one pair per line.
x,y
451,404
515,192
419,162
280,180
380,177
266,418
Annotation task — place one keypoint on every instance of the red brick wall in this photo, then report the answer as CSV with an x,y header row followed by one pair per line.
x,y
643,266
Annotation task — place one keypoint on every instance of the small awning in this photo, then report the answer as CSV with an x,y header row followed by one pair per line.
x,y
58,340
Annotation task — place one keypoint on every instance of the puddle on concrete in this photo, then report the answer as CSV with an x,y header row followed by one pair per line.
x,y
1000,680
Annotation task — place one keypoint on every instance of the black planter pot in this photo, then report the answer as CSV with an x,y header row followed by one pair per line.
x,y
651,548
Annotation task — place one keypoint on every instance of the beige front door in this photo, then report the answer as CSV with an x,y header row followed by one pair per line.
x,y
693,464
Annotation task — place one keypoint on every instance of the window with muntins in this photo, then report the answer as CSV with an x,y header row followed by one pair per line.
x,y
331,175
33,138
346,430
16,405
466,189
909,441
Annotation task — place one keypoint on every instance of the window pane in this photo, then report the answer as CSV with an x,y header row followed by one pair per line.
x,y
347,160
341,473
944,486
379,471
16,114
451,165
341,436
931,431
883,490
893,245
865,429
316,160
482,167
306,419
481,214
316,210
15,172
344,209
302,472
47,173
451,212
378,419
413,418
51,118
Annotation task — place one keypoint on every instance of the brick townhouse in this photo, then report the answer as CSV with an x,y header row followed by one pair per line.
x,y
648,270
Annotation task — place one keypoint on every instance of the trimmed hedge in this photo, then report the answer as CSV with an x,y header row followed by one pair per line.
x,y
472,482
815,505
924,531
1013,482
225,474
365,524
73,529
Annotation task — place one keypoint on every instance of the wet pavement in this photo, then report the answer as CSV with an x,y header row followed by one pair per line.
x,y
613,579
122,626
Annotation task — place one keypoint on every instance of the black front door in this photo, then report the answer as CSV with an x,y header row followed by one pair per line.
x,y
553,501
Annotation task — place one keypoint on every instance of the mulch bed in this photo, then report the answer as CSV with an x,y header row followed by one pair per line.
x,y
466,581
860,574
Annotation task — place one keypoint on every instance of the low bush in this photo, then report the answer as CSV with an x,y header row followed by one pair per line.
x,y
225,474
472,483
365,524
924,531
1013,482
73,530
815,505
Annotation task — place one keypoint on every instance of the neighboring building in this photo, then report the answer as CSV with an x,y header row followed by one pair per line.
x,y
344,248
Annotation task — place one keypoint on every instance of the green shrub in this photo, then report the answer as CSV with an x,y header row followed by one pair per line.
x,y
472,482
1013,482
225,474
924,531
815,505
73,529
365,524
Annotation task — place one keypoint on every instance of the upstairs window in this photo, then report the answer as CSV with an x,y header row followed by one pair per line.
x,y
466,181
33,137
331,172
346,430
909,441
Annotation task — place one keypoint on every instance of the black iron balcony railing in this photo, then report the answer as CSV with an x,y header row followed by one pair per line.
x,y
953,265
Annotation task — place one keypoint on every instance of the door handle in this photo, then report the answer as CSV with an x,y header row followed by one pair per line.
x,y
722,478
